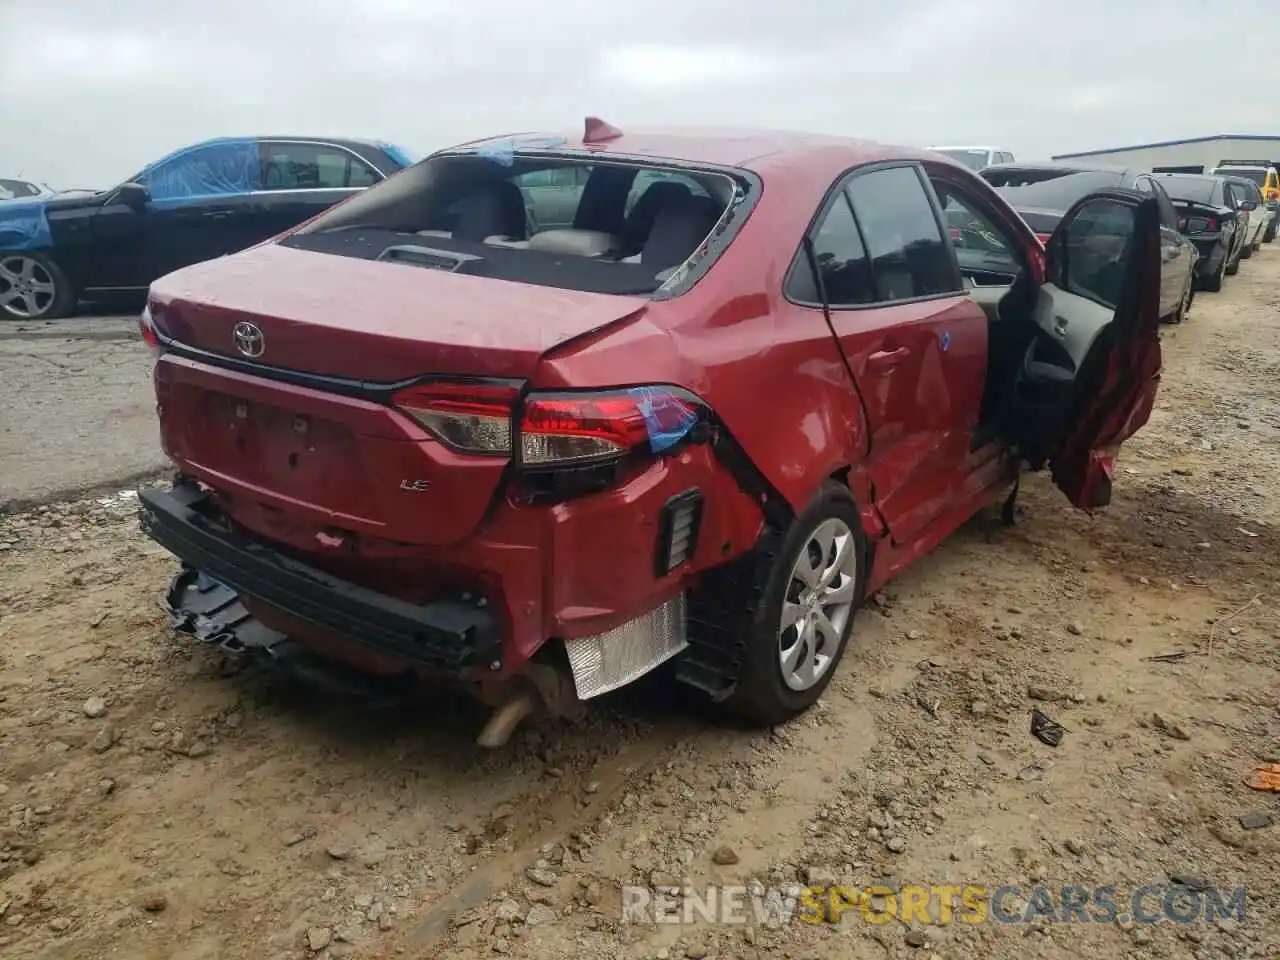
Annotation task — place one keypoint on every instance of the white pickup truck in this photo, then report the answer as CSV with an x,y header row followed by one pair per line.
x,y
975,157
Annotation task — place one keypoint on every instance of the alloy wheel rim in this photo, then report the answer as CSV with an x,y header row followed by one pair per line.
x,y
818,604
27,288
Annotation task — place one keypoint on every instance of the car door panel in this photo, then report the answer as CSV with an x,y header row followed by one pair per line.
x,y
1090,378
99,244
201,202
180,233
919,370
919,358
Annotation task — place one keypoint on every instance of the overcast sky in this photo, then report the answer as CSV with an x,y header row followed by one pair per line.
x,y
91,91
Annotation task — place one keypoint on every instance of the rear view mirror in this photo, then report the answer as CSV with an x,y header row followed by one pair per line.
x,y
1249,205
133,195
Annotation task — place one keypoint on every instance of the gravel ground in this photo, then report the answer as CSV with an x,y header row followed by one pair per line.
x,y
78,409
156,803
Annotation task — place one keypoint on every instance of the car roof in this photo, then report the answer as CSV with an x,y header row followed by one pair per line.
x,y
295,138
1192,176
756,150
966,146
1055,165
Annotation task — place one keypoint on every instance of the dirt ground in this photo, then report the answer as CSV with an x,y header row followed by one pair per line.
x,y
155,806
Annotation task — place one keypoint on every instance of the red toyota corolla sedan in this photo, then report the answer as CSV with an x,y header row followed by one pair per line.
x,y
542,413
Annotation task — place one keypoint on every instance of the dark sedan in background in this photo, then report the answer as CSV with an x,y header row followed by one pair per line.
x,y
201,202
1043,192
1208,213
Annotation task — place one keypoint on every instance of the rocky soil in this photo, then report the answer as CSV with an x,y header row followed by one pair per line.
x,y
156,801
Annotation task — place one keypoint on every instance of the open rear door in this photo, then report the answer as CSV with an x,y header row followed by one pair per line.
x,y
1089,378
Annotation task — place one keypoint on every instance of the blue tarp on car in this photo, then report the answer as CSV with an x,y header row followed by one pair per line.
x,y
24,226
211,169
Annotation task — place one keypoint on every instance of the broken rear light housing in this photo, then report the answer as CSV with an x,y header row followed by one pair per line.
x,y
552,430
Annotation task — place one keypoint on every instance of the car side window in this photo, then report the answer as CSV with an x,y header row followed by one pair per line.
x,y
842,263
1095,251
1168,213
214,169
553,194
980,243
1168,216
313,166
909,257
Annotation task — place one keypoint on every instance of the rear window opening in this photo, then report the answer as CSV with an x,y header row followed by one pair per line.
x,y
1189,189
573,222
1059,191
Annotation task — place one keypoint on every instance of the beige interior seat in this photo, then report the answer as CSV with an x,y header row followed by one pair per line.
x,y
575,243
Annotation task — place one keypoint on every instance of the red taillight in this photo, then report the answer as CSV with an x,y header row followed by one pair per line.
x,y
1201,225
471,417
1044,238
554,428
146,326
568,428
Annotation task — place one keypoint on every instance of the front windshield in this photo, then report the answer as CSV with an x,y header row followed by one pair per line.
x,y
973,159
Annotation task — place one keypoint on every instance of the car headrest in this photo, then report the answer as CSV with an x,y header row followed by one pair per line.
x,y
681,224
494,209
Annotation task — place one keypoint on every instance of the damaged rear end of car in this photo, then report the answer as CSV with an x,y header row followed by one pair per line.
x,y
441,430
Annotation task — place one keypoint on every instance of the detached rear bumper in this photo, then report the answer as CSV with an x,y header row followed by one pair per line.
x,y
449,635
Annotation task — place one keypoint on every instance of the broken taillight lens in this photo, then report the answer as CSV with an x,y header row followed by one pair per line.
x,y
581,428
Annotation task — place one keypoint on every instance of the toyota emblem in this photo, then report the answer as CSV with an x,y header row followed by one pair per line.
x,y
249,339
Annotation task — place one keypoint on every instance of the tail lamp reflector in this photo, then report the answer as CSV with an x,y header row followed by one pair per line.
x,y
473,418
678,530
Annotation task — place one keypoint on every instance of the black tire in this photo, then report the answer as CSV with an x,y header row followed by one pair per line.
x,y
762,695
1247,252
1184,304
1214,283
1271,229
45,270
1233,266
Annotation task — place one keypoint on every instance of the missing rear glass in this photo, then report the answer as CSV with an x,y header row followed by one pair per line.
x,y
561,220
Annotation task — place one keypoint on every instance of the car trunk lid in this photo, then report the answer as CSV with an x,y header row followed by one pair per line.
x,y
367,320
303,440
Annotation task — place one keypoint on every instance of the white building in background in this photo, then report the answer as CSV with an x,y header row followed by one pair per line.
x,y
1196,155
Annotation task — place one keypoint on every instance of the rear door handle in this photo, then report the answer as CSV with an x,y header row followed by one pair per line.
x,y
887,359
221,214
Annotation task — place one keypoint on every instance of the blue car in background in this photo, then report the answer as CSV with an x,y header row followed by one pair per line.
x,y
200,202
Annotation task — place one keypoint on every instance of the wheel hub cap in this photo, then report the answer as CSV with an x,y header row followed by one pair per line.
x,y
26,287
818,604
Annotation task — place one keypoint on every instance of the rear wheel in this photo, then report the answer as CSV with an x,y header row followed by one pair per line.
x,y
1271,229
32,287
1233,266
810,591
1184,305
1214,283
1247,252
